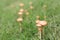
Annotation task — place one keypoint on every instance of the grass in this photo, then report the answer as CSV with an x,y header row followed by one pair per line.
x,y
10,29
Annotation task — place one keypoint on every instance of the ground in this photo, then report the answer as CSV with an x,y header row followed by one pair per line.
x,y
10,28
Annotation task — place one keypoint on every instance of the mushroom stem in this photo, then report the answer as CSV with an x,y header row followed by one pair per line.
x,y
40,33
20,24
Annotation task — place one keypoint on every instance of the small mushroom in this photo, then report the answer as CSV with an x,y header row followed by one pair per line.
x,y
20,13
37,21
21,4
43,23
19,20
38,25
31,7
21,10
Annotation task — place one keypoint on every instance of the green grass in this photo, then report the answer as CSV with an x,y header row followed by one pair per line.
x,y
10,29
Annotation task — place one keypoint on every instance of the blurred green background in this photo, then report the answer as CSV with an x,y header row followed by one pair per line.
x,y
10,29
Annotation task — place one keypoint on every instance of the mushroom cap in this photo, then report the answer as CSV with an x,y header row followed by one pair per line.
x,y
43,23
21,10
21,4
20,13
19,19
38,25
31,7
37,21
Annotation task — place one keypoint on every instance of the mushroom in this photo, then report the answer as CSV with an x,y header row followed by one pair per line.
x,y
38,25
37,21
21,10
20,13
31,7
19,20
43,23
21,4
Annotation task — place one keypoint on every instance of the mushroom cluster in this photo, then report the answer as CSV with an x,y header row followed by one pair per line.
x,y
20,13
21,4
40,23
